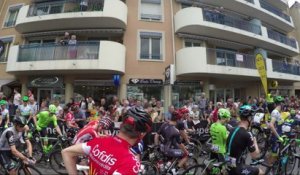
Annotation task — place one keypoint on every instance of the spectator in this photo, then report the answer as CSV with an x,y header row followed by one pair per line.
x,y
214,114
30,94
66,39
160,111
72,49
79,117
168,114
203,101
17,100
84,5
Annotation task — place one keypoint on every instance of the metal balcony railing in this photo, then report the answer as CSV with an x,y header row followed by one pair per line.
x,y
285,67
220,18
282,38
66,6
274,10
229,58
54,51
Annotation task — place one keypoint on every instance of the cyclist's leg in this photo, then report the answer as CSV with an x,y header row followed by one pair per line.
x,y
274,148
43,134
7,163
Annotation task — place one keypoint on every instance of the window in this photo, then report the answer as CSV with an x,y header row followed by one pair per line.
x,y
151,10
192,43
12,16
7,43
150,45
46,9
226,56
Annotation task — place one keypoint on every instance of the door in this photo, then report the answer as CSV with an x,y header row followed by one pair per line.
x,y
44,94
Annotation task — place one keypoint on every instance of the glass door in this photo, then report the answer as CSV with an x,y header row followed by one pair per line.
x,y
44,94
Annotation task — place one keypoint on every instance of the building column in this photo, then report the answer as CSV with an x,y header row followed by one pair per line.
x,y
24,81
122,91
167,96
69,89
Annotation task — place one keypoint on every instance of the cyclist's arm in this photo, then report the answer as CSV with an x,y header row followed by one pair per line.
x,y
70,156
252,146
29,147
272,127
35,119
56,126
7,119
11,141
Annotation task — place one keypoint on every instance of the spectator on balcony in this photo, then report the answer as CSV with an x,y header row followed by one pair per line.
x,y
84,5
72,49
65,39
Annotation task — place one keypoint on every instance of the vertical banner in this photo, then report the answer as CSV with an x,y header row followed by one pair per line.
x,y
170,74
261,68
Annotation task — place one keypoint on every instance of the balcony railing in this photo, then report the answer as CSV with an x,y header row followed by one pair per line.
x,y
220,18
230,58
53,51
251,1
285,67
282,38
66,6
274,10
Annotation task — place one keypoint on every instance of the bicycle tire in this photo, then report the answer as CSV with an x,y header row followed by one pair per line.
x,y
195,170
29,170
291,163
148,169
56,162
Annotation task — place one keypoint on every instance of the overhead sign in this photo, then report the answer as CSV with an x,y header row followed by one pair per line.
x,y
138,81
261,68
46,82
2,48
170,74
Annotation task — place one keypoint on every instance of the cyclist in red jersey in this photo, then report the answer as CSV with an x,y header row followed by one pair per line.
x,y
112,155
92,130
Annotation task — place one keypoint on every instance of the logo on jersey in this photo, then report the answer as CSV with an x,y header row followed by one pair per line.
x,y
103,156
11,139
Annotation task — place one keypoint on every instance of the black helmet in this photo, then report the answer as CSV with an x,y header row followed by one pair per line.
x,y
20,121
138,119
246,111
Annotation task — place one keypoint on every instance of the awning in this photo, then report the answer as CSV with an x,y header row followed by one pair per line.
x,y
6,82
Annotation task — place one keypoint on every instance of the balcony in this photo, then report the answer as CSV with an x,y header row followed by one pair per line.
x,y
284,67
253,8
282,38
69,15
265,5
103,56
217,62
221,26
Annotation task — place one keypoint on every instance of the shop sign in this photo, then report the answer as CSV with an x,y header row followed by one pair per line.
x,y
46,82
138,81
2,48
186,82
169,74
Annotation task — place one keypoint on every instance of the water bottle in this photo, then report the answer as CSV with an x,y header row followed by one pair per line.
x,y
284,160
169,163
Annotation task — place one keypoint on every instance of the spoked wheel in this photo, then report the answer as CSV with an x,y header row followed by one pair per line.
x,y
195,170
37,152
147,168
57,163
29,170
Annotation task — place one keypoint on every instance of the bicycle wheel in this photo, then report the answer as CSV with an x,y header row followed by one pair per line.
x,y
290,164
262,144
147,168
195,170
192,161
28,170
56,162
37,152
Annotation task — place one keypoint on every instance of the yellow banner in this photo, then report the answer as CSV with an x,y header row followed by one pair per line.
x,y
260,66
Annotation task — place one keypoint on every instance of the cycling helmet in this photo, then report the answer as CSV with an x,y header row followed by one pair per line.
x,y
223,113
278,99
106,123
25,98
20,121
292,111
52,109
3,102
245,111
138,119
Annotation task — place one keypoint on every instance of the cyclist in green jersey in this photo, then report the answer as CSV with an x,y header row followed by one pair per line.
x,y
44,119
219,135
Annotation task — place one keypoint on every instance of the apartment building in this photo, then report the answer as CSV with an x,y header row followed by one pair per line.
x,y
125,47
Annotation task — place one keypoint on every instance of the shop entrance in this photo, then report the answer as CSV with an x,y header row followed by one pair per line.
x,y
44,94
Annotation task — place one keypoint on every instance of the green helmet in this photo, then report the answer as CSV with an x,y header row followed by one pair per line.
x,y
292,111
3,102
223,113
278,99
52,109
25,98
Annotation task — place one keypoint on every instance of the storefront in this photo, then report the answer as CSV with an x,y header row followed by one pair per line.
x,y
184,90
145,88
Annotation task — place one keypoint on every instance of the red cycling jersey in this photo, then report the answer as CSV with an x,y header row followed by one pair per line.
x,y
85,134
110,156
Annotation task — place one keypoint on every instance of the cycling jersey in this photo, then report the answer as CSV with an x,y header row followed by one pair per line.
x,y
25,110
70,117
110,156
4,115
44,119
85,134
218,134
10,137
278,120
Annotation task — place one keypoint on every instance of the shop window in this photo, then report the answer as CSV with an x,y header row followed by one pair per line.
x,y
151,10
12,15
150,45
145,92
7,44
183,92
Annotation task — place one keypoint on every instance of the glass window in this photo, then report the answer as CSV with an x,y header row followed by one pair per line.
x,y
12,16
150,45
4,56
151,10
192,43
145,92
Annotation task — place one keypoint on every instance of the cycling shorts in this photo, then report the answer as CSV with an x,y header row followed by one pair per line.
x,y
44,132
274,144
244,169
7,161
174,153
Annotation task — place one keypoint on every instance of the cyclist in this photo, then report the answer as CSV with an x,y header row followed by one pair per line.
x,y
26,111
238,141
171,144
44,119
219,135
111,155
70,118
8,140
275,126
4,117
92,130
